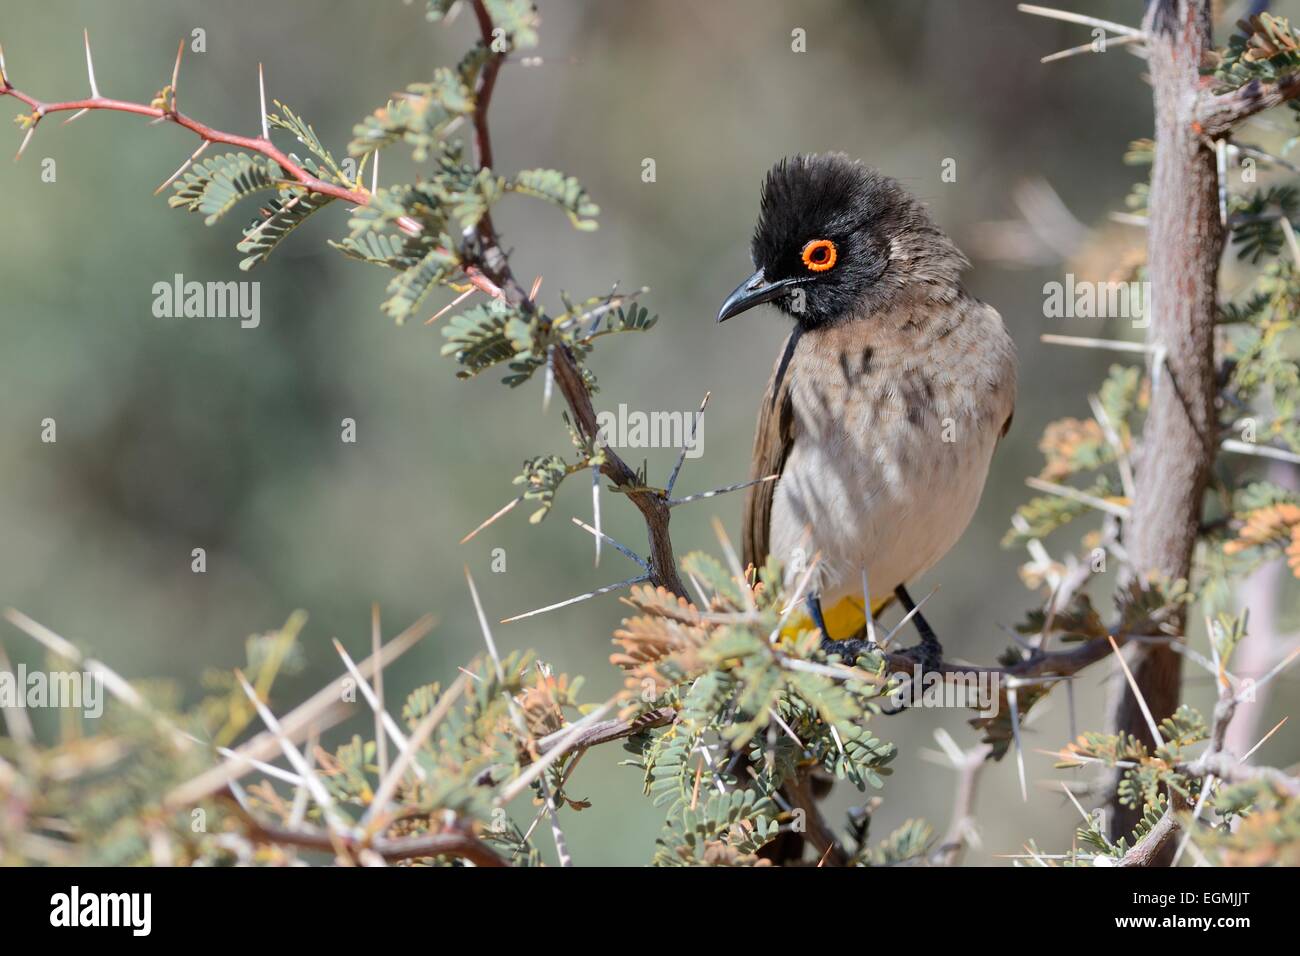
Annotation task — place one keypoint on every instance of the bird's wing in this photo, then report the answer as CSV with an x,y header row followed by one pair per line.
x,y
772,442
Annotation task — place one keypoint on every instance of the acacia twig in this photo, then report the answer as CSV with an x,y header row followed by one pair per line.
x,y
490,257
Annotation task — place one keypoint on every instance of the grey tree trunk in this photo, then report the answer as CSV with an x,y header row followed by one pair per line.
x,y
1185,243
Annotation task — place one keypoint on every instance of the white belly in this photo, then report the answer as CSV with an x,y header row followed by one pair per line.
x,y
891,499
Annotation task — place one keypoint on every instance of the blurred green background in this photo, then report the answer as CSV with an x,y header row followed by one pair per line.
x,y
183,433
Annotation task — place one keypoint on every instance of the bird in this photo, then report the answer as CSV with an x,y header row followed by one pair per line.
x,y
885,405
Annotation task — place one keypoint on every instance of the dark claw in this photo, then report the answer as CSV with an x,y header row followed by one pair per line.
x,y
929,653
850,649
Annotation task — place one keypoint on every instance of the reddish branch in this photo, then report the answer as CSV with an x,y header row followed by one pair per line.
x,y
486,84
254,144
487,267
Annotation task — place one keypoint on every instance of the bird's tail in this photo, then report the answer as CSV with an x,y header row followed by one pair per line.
x,y
844,620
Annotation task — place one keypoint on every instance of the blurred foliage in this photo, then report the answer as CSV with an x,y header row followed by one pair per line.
x,y
748,715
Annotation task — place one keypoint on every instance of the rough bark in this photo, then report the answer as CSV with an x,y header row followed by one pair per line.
x,y
1185,244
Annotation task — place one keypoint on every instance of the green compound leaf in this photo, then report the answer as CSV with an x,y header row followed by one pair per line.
x,y
564,191
278,220
382,249
213,186
418,118
287,119
409,288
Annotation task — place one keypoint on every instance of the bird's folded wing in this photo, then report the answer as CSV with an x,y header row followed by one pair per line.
x,y
772,442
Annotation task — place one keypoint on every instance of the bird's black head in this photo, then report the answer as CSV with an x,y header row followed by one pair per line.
x,y
836,239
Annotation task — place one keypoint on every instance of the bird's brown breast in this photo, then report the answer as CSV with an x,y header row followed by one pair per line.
x,y
882,428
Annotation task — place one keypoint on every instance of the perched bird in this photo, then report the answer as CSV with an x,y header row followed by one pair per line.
x,y
886,402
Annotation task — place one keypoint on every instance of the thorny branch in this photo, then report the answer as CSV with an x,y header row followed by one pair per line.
x,y
254,144
654,507
169,112
1219,115
969,765
1216,763
451,843
487,261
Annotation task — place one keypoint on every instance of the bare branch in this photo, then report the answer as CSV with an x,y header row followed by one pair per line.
x,y
1218,115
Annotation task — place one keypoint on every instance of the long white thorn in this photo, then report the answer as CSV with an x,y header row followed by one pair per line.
x,y
505,509
376,642
733,562
1137,693
1263,451
184,166
1111,432
1251,752
483,626
388,723
1077,805
1085,48
301,796
866,606
908,616
1074,494
687,445
595,513
1020,750
270,769
450,305
388,786
621,547
90,67
1207,785
261,91
548,383
554,753
312,782
176,76
639,579
950,749
26,139
798,591
1068,17
520,722
726,489
1084,342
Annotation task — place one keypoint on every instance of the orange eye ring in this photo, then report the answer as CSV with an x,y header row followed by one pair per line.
x,y
819,255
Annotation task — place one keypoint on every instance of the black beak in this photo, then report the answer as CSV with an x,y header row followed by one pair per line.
x,y
753,291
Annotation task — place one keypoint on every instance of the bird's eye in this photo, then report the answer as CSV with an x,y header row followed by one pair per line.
x,y
819,255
